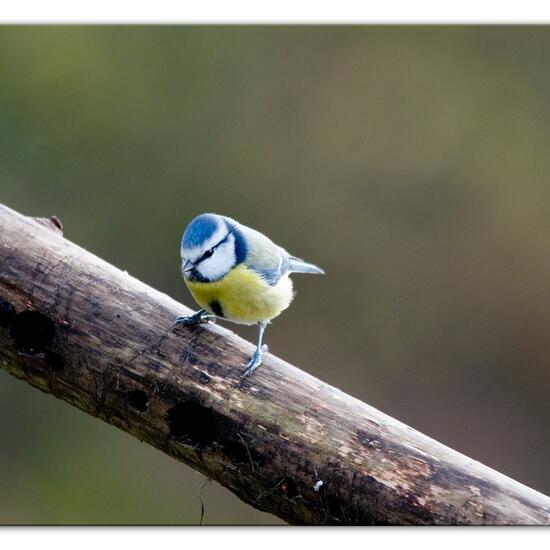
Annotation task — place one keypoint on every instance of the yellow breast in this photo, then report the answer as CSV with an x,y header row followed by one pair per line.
x,y
242,296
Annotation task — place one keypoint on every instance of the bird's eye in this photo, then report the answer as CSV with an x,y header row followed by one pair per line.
x,y
208,253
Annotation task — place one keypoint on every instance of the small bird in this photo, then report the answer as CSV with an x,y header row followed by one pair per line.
x,y
236,273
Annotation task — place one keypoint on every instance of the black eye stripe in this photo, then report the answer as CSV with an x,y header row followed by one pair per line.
x,y
211,251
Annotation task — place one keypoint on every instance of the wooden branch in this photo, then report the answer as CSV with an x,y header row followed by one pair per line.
x,y
76,327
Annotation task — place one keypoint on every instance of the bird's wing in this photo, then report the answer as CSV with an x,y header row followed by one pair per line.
x,y
265,257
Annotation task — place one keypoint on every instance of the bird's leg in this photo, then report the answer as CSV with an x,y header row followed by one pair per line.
x,y
256,359
200,316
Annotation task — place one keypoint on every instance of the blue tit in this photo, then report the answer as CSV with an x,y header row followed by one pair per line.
x,y
236,273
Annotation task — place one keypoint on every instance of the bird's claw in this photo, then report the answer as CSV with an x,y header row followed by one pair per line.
x,y
195,319
255,360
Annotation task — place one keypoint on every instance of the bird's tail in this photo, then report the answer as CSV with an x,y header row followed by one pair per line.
x,y
299,266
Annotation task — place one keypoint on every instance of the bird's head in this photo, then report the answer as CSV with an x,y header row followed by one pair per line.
x,y
211,247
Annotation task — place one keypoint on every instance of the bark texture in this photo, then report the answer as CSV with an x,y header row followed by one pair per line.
x,y
75,326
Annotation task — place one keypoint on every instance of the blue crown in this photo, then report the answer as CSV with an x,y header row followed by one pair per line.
x,y
199,230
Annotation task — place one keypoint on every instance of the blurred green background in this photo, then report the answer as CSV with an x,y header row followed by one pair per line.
x,y
412,163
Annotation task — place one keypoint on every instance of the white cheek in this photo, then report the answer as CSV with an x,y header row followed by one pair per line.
x,y
220,263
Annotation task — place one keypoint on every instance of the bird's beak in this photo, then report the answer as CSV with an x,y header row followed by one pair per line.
x,y
186,266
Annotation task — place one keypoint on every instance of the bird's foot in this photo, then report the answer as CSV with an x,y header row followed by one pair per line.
x,y
255,360
197,318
